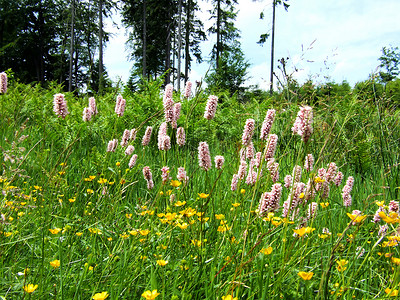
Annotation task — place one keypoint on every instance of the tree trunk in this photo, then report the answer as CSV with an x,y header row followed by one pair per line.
x,y
271,83
41,47
144,39
179,45
218,33
101,77
187,39
168,50
71,49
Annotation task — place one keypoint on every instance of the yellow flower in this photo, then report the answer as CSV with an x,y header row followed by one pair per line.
x,y
30,288
266,251
356,218
175,183
391,219
7,234
301,196
324,205
95,231
161,193
117,163
242,191
391,292
341,265
162,262
180,203
150,295
182,226
128,216
61,172
37,188
203,196
319,180
305,275
100,296
380,203
219,217
323,236
90,178
79,233
198,243
72,200
55,230
303,230
89,191
102,180
235,204
55,263
396,260
229,297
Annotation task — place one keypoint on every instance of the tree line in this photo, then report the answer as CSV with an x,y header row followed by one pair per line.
x,y
63,41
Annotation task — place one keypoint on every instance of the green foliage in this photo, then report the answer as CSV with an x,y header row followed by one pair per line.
x,y
56,173
231,73
389,61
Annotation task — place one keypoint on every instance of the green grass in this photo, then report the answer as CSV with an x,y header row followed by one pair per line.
x,y
113,231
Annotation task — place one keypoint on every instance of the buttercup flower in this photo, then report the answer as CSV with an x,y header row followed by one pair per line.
x,y
150,295
305,275
162,262
100,296
266,251
303,230
229,297
55,263
30,288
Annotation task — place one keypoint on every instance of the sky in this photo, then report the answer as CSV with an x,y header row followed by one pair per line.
x,y
325,40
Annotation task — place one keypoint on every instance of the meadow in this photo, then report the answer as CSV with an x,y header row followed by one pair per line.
x,y
283,198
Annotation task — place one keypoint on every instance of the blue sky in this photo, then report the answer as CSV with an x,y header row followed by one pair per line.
x,y
334,39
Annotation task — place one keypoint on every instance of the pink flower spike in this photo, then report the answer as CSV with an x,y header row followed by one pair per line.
x,y
93,106
211,107
267,124
309,162
188,90
147,173
182,175
204,156
248,132
125,138
120,106
60,106
165,174
87,114
112,145
180,136
3,83
132,161
234,183
129,150
219,162
303,123
147,136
